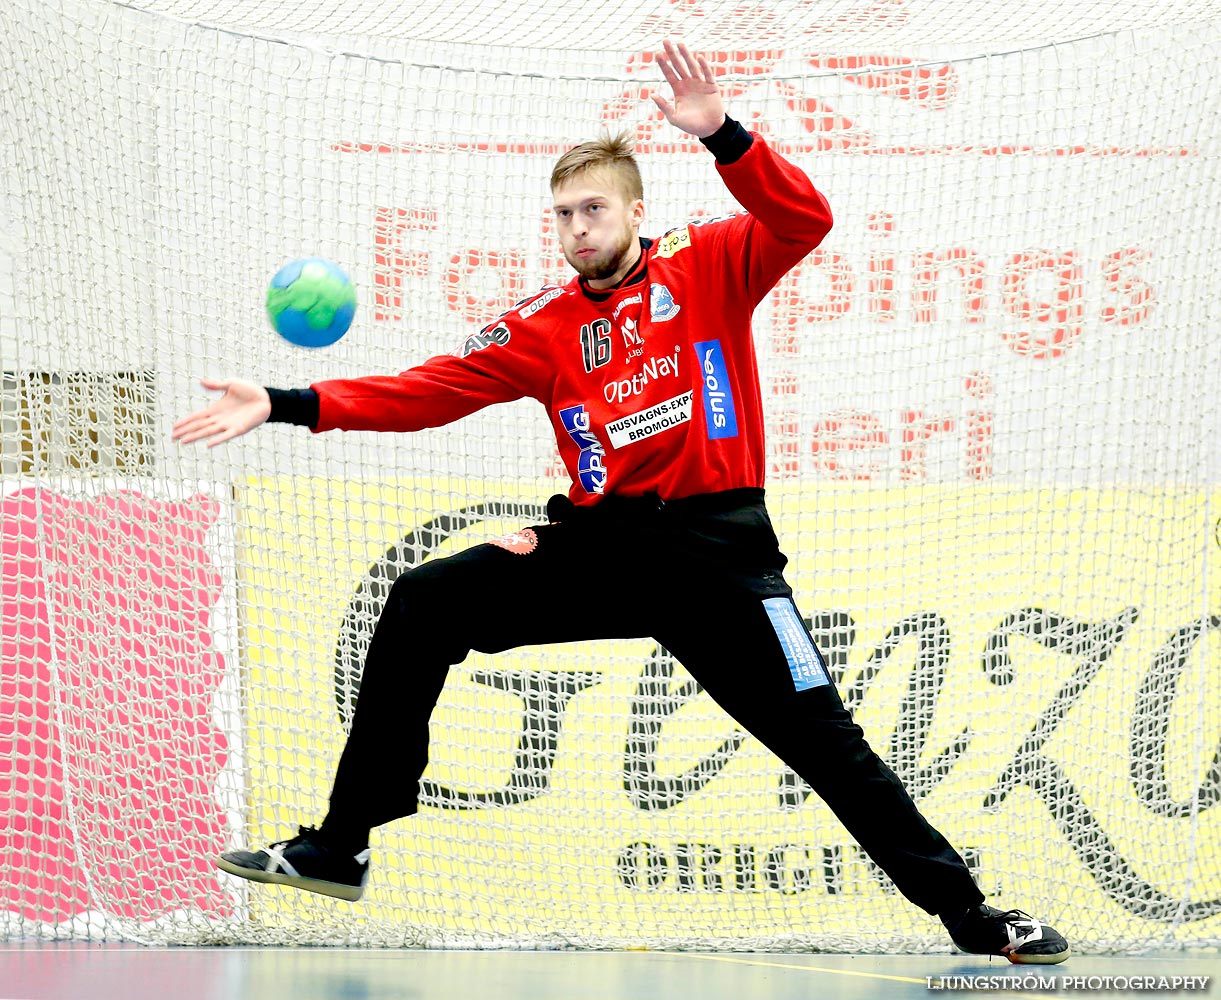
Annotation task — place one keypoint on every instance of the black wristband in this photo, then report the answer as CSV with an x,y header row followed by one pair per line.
x,y
293,406
730,142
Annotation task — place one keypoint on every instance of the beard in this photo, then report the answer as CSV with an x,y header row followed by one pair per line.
x,y
605,262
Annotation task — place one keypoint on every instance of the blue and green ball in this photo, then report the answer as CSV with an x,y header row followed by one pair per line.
x,y
311,302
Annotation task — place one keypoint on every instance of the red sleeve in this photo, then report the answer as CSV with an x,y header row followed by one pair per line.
x,y
788,217
492,366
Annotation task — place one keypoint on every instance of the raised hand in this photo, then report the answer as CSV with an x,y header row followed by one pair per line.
x,y
696,106
243,407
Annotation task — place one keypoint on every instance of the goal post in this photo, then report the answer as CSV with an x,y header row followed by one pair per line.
x,y
992,429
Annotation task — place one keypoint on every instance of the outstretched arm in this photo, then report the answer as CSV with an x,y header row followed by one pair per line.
x,y
787,216
242,408
697,106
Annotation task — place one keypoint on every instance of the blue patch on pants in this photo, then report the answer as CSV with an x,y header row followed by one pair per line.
x,y
805,662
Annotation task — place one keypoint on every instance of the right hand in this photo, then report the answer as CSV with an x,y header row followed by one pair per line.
x,y
696,107
242,408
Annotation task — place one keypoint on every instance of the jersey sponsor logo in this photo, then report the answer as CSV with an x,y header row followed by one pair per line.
x,y
591,467
661,303
673,242
520,543
805,662
644,424
496,333
650,371
631,300
720,414
631,336
540,302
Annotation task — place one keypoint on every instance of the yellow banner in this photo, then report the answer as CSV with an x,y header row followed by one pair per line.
x,y
1039,666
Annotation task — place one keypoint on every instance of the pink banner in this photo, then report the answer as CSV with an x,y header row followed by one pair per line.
x,y
108,751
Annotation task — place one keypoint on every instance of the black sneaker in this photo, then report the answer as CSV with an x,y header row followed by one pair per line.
x,y
1019,937
305,862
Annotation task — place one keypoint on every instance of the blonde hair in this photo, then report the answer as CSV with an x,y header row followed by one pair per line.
x,y
610,153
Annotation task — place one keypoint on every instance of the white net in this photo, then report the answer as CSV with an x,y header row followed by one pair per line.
x,y
992,431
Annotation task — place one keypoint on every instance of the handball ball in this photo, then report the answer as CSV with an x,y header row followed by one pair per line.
x,y
311,302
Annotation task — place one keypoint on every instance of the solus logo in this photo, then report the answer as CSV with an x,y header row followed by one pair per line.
x,y
719,412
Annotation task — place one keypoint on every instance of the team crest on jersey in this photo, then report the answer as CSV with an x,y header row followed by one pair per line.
x,y
661,303
674,241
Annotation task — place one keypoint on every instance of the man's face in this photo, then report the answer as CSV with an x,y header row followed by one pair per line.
x,y
597,227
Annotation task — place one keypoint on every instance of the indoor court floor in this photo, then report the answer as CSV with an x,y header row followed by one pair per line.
x,y
77,971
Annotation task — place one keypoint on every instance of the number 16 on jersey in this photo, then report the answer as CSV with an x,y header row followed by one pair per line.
x,y
596,344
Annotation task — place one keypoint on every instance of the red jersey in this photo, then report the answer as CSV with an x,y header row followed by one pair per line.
x,y
652,386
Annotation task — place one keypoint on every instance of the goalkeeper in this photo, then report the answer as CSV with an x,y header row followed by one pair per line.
x,y
645,364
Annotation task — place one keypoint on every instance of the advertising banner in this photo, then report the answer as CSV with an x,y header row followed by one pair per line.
x,y
1038,666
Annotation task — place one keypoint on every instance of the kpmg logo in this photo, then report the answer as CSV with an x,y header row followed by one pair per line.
x,y
661,303
591,468
719,412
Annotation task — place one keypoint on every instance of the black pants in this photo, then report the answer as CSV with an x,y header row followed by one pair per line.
x,y
703,577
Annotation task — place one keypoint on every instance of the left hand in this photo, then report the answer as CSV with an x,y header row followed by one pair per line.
x,y
697,107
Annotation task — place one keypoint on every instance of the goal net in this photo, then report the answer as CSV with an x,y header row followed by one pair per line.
x,y
992,439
